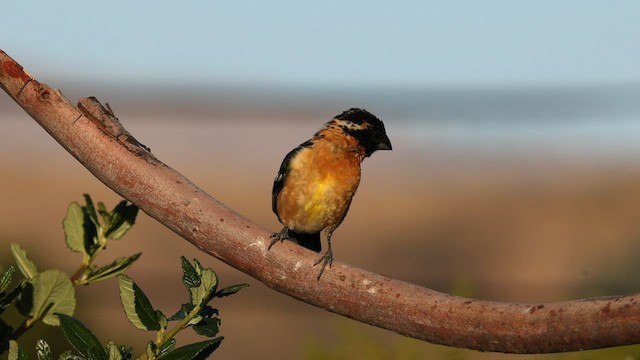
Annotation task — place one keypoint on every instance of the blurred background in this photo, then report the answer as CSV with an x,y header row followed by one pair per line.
x,y
514,174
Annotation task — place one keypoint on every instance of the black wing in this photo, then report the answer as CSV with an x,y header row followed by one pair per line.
x,y
279,181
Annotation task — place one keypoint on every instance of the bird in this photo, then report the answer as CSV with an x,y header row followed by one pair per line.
x,y
317,180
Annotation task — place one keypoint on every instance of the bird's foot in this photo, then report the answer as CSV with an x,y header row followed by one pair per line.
x,y
326,259
279,236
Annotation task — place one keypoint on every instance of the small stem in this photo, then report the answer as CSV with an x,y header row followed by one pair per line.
x,y
20,330
174,331
24,326
181,325
79,274
78,277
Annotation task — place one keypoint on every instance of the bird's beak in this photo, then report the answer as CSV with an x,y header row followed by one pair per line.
x,y
384,145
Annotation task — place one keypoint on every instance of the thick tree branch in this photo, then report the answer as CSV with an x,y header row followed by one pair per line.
x,y
96,139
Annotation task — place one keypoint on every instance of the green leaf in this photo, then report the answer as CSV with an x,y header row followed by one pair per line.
x,y
208,311
194,320
115,268
201,295
91,210
114,352
16,352
162,319
53,292
74,228
26,266
151,350
168,346
5,278
198,266
190,277
91,240
197,351
185,309
43,351
230,290
122,219
102,210
207,327
136,305
118,352
68,355
25,299
8,298
81,338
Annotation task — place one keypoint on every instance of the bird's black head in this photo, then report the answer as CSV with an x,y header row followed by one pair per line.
x,y
366,128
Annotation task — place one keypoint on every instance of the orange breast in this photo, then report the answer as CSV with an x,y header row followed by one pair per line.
x,y
319,187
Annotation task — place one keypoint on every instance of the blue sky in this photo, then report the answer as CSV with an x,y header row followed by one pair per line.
x,y
423,43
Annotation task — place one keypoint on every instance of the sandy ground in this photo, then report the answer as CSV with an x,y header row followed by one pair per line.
x,y
528,230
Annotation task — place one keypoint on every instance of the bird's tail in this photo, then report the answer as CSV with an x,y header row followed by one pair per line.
x,y
310,241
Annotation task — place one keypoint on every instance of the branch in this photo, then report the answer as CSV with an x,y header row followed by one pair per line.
x,y
96,139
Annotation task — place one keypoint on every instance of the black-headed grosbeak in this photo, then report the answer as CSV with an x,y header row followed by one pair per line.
x,y
317,180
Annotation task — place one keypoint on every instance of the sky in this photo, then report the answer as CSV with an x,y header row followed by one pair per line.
x,y
336,43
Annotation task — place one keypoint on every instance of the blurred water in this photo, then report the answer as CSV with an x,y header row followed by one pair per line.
x,y
593,139
598,122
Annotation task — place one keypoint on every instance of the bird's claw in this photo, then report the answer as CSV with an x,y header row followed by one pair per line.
x,y
278,236
326,259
